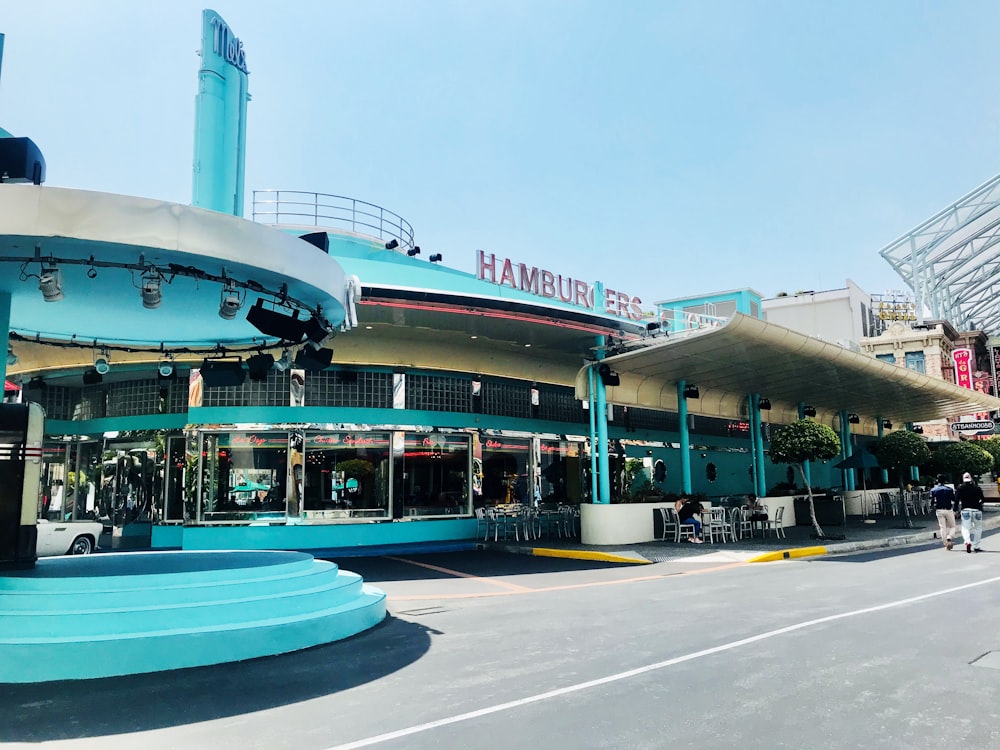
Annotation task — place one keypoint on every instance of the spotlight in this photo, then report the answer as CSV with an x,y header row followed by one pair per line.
x,y
853,419
436,258
609,376
691,391
151,294
102,366
219,373
312,359
230,303
91,273
91,376
259,365
274,323
918,429
888,425
11,357
413,251
50,284
652,328
809,411
764,403
36,383
166,368
317,331
391,245
284,363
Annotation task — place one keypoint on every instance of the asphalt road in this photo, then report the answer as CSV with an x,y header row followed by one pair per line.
x,y
895,649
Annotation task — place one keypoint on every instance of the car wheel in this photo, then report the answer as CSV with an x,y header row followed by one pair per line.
x,y
82,545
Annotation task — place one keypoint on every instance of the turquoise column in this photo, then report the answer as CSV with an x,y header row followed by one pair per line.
x,y
592,406
881,434
805,464
604,473
847,450
4,323
754,439
756,426
682,415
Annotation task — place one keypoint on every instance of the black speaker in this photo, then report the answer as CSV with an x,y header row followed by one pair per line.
x,y
259,365
313,360
220,373
319,239
21,161
274,323
608,376
92,377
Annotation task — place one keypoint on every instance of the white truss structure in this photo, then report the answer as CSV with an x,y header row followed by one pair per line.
x,y
952,261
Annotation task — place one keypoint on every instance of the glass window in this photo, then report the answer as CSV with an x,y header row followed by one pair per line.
x,y
915,361
561,471
244,476
505,463
432,474
346,475
890,358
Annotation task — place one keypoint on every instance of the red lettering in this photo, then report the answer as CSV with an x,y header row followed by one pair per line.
x,y
610,295
636,311
548,284
580,294
622,305
529,279
507,275
482,266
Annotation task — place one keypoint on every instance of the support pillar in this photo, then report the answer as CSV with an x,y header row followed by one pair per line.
x,y
601,417
685,438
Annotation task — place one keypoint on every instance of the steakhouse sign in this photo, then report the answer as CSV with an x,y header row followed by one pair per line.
x,y
556,286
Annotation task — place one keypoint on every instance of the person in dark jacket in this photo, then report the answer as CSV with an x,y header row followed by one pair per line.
x,y
970,497
945,504
689,511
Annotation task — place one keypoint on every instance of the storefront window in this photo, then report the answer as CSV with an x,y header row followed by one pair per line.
x,y
505,476
561,471
346,475
244,475
432,474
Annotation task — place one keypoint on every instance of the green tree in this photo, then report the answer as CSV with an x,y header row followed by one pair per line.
x,y
897,452
954,459
801,441
992,446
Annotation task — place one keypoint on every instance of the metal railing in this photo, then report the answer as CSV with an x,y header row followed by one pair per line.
x,y
326,211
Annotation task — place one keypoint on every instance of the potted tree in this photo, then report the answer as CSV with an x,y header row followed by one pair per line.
x,y
897,452
801,441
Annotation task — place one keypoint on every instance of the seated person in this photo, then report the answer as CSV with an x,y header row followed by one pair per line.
x,y
756,511
689,511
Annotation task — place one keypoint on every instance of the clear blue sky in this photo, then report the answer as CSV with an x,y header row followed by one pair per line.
x,y
664,148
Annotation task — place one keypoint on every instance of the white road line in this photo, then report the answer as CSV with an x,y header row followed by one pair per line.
x,y
369,741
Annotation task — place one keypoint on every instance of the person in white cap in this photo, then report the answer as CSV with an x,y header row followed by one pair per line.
x,y
970,498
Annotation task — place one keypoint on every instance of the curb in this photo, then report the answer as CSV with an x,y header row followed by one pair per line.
x,y
574,554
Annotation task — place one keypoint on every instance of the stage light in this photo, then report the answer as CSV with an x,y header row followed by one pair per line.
x,y
691,391
11,357
391,244
809,411
166,368
413,251
608,376
91,376
317,331
313,360
36,383
764,404
259,365
151,294
102,364
853,419
50,283
274,323
284,363
918,429
220,373
436,258
888,425
230,303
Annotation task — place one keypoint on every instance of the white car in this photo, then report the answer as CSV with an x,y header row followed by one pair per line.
x,y
67,537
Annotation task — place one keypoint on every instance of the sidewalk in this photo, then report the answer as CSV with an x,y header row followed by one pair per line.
x,y
858,536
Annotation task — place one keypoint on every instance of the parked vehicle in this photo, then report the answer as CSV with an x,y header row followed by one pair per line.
x,y
67,537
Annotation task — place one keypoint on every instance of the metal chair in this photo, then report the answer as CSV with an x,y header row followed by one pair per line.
x,y
672,522
717,525
740,522
774,522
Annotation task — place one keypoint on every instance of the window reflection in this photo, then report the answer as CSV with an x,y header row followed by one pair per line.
x,y
346,475
433,474
561,471
505,471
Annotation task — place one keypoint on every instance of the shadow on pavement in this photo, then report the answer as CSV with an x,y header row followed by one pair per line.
x,y
117,705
